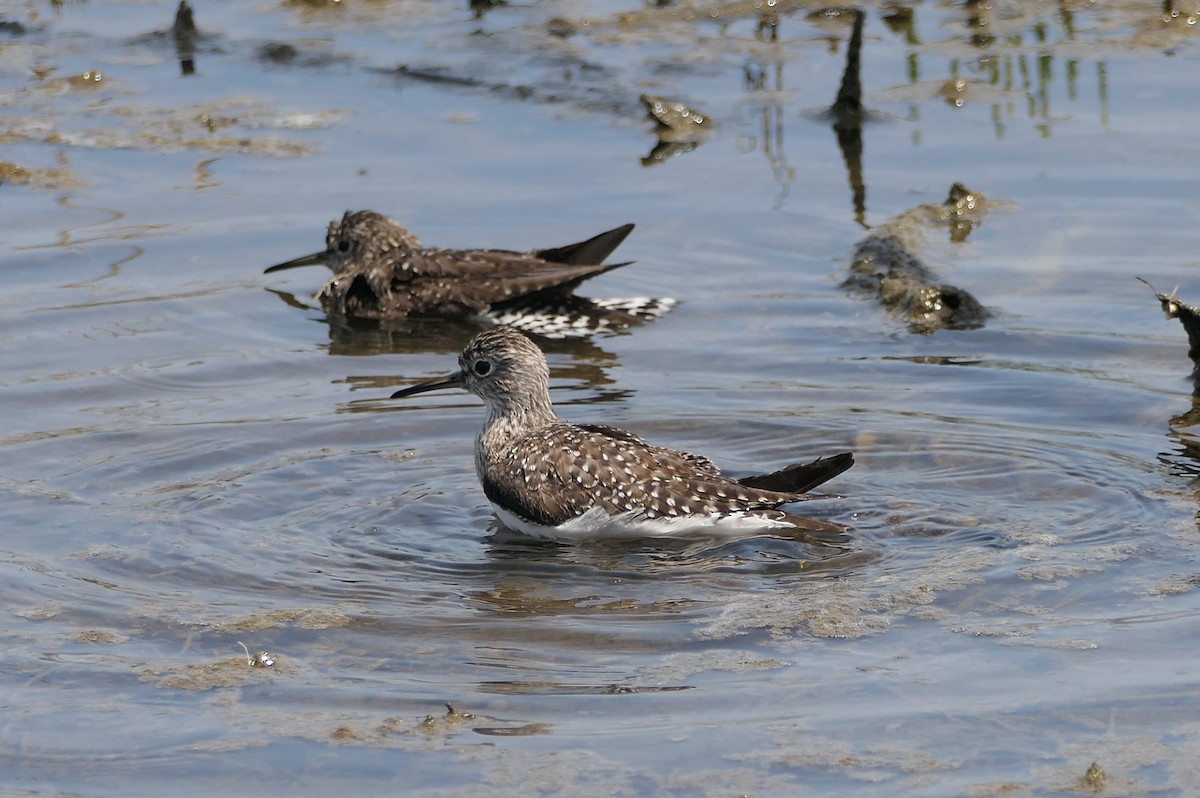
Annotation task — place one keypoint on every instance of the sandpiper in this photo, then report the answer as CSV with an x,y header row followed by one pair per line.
x,y
549,478
381,270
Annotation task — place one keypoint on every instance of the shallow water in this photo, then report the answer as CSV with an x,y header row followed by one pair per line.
x,y
192,456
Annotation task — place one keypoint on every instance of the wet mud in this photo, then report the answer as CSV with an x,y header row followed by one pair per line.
x,y
887,265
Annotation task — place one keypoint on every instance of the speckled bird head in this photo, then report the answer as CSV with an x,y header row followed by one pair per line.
x,y
501,363
358,238
363,236
504,369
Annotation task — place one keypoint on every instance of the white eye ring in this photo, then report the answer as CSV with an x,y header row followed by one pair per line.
x,y
482,368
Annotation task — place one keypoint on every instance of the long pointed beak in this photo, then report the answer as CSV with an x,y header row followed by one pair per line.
x,y
315,259
453,381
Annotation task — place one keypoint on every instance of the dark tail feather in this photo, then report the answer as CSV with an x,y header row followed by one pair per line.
x,y
590,252
800,478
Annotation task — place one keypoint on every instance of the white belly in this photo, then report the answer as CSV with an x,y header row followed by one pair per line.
x,y
595,524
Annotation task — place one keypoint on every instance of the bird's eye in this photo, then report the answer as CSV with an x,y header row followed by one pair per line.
x,y
343,246
482,368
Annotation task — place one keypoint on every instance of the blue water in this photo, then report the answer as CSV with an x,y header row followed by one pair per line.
x,y
193,457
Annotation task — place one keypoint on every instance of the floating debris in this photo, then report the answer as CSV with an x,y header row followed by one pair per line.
x,y
436,75
675,120
561,27
954,92
680,128
344,734
963,212
1189,317
231,672
885,265
260,660
89,80
277,52
173,129
527,730
290,55
97,636
449,722
12,27
1094,778
57,179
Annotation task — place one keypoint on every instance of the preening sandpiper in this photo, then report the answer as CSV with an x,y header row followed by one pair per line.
x,y
550,478
382,271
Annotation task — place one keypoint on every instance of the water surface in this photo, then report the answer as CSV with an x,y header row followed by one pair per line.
x,y
194,457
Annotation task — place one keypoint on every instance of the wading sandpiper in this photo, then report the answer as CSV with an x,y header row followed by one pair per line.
x,y
382,271
549,478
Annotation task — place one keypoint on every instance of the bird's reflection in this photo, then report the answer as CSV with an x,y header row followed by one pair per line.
x,y
523,567
577,361
1183,431
663,587
356,337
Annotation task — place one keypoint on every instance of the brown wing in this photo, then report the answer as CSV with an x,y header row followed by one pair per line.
x,y
482,277
403,280
698,460
563,471
443,282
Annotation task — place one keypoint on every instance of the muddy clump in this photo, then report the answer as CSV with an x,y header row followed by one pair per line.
x,y
886,266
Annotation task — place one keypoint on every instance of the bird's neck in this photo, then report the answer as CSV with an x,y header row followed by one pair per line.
x,y
508,422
